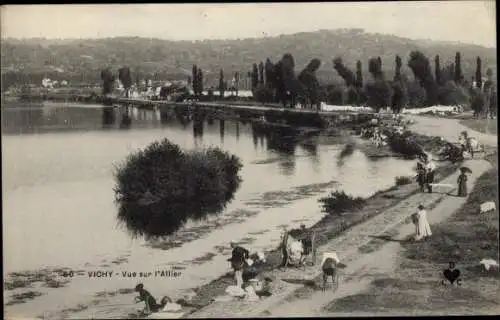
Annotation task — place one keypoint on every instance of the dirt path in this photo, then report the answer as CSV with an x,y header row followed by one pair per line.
x,y
448,129
361,272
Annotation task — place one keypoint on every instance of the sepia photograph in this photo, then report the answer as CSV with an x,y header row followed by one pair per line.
x,y
215,160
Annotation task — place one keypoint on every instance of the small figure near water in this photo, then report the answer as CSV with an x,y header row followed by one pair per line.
x,y
422,227
238,258
149,301
462,182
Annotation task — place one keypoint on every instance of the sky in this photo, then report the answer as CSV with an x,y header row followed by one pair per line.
x,y
462,21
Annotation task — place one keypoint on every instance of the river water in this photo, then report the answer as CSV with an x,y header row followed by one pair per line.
x,y
58,199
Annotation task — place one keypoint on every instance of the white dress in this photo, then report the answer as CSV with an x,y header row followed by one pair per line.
x,y
423,227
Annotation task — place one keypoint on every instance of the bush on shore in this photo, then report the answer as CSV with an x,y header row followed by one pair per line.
x,y
404,144
403,180
339,202
161,187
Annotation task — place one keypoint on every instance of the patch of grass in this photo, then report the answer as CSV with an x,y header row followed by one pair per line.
x,y
411,297
403,180
339,202
481,125
467,237
77,308
23,297
17,283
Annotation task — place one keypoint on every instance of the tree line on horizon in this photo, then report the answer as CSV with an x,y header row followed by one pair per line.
x,y
432,86
278,83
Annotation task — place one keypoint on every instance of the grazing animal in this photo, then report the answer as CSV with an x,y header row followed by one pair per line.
x,y
487,206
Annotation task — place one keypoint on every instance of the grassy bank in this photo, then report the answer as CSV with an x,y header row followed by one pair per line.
x,y
465,238
481,125
331,226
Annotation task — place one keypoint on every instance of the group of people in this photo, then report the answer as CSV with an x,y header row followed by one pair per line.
x,y
419,218
425,172
245,267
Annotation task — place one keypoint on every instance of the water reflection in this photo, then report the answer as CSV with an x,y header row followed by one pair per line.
x,y
210,120
108,117
310,146
222,129
126,120
198,120
183,116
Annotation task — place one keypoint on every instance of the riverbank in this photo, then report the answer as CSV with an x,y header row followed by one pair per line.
x,y
121,296
411,284
329,228
332,227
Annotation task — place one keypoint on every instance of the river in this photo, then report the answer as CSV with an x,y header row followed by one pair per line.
x,y
59,210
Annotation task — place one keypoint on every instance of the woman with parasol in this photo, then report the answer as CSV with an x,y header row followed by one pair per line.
x,y
462,181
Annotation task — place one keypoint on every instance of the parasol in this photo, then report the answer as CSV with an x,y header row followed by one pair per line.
x,y
465,170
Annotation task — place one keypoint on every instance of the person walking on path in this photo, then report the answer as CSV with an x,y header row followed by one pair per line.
x,y
462,182
430,167
423,229
421,176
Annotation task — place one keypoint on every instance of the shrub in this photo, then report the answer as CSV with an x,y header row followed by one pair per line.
x,y
404,144
161,187
403,180
338,202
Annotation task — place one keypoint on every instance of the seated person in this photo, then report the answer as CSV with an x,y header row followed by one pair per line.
x,y
149,300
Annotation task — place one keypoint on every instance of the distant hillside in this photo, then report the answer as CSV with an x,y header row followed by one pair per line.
x,y
82,59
